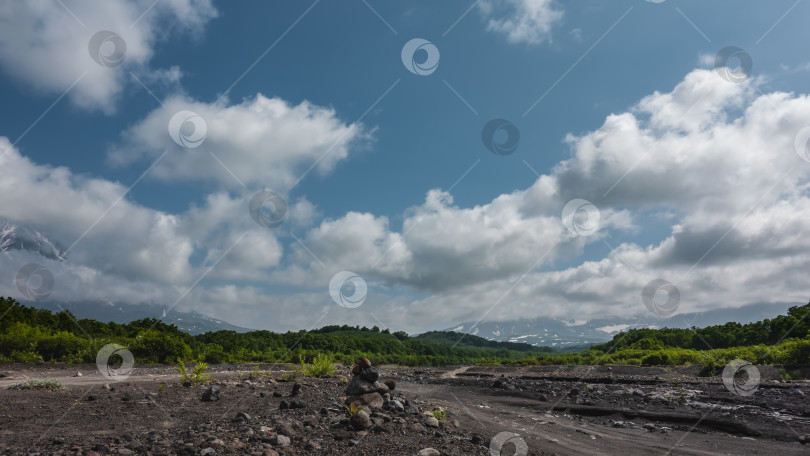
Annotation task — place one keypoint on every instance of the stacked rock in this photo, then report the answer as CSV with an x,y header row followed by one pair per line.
x,y
364,389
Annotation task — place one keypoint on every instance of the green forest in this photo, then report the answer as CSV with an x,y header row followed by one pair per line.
x,y
31,335
782,341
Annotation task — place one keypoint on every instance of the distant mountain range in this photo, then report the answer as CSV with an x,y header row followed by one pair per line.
x,y
14,236
190,322
560,333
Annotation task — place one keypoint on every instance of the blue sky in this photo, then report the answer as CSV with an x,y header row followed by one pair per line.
x,y
616,103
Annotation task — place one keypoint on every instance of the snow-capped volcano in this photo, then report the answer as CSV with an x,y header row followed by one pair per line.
x,y
14,236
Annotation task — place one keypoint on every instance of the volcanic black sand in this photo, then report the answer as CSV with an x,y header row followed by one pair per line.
x,y
565,410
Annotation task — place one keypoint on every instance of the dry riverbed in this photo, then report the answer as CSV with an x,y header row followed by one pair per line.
x,y
548,410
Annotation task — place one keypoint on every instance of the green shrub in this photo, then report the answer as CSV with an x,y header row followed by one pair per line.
x,y
49,385
655,359
321,365
197,375
153,347
61,346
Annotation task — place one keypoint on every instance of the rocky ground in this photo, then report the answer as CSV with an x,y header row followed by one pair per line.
x,y
488,410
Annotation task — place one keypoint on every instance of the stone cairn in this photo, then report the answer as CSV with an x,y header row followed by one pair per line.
x,y
365,390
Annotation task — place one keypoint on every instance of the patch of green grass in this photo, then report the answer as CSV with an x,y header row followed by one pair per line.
x,y
353,409
792,375
440,415
39,384
197,374
321,365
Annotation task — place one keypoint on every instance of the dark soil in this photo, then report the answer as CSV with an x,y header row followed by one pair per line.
x,y
555,409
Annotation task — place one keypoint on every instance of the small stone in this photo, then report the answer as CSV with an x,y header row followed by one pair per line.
x,y
296,389
364,364
360,421
804,439
429,452
431,421
211,394
78,374
277,394
286,429
298,404
373,400
370,374
91,397
392,385
242,416
394,406
280,440
650,427
283,405
476,438
208,451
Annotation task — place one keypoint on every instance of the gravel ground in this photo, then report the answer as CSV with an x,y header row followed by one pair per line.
x,y
489,410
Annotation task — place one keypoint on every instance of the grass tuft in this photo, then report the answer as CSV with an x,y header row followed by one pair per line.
x,y
39,384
